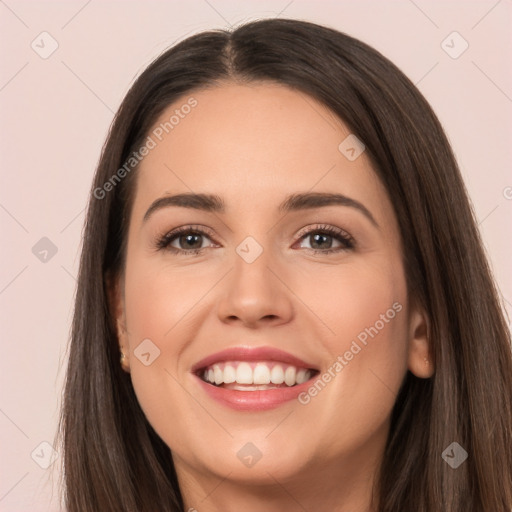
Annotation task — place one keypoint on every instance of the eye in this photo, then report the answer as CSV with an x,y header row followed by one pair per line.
x,y
321,239
184,240
190,240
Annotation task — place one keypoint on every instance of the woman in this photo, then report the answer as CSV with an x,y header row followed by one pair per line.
x,y
283,302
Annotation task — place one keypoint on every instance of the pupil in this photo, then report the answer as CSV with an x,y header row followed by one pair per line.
x,y
318,239
189,238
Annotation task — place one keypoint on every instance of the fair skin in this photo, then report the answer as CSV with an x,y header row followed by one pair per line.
x,y
253,146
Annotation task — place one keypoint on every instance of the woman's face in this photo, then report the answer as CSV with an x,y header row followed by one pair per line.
x,y
299,277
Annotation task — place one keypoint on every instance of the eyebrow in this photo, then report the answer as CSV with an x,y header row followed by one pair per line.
x,y
295,202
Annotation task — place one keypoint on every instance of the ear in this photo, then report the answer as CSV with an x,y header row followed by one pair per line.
x,y
420,360
115,291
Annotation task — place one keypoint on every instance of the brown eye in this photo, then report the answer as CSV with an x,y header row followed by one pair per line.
x,y
191,241
321,240
185,240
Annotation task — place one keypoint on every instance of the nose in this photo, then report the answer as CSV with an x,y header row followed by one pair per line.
x,y
254,296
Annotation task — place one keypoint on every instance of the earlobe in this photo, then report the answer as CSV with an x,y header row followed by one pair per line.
x,y
125,361
420,361
117,312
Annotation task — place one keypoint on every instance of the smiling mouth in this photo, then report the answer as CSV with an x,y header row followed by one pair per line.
x,y
254,375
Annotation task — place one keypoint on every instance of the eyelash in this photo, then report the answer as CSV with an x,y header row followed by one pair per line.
x,y
163,243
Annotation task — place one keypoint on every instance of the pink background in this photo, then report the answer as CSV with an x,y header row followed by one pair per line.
x,y
55,113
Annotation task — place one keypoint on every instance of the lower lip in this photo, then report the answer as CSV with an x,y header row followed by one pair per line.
x,y
260,400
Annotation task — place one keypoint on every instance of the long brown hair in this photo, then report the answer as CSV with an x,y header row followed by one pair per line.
x,y
114,461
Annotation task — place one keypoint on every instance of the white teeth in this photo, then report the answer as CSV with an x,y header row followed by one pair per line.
x,y
277,374
244,374
289,375
262,375
229,374
302,376
218,374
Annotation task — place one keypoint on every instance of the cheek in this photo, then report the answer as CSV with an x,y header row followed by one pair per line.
x,y
159,301
365,310
357,302
161,305
372,323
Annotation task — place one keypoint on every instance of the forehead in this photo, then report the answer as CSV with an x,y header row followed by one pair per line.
x,y
252,144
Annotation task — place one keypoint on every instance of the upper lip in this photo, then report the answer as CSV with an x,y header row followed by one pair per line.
x,y
252,354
